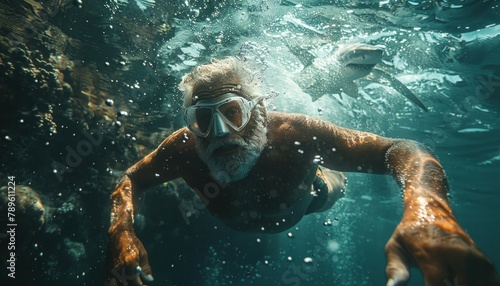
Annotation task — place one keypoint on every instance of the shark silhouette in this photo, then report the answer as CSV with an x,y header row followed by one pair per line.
x,y
335,73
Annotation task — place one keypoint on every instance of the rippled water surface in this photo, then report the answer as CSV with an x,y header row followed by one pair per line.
x,y
122,61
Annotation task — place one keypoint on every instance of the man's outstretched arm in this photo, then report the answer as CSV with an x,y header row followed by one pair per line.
x,y
127,259
428,235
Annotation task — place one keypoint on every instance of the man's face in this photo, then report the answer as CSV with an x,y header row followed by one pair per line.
x,y
230,135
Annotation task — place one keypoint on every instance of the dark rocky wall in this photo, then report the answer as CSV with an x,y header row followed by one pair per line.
x,y
79,103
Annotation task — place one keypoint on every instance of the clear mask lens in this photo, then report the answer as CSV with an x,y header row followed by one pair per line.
x,y
234,110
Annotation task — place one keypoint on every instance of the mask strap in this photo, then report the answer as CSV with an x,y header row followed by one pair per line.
x,y
211,93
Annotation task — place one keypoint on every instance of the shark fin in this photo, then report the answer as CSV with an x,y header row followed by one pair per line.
x,y
300,50
400,87
350,89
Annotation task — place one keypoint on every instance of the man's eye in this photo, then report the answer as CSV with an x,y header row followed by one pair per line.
x,y
232,112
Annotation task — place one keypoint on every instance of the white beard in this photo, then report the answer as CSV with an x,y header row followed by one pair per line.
x,y
235,166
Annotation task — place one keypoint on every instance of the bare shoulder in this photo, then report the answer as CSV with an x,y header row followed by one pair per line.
x,y
171,159
179,145
291,124
288,125
177,138
280,118
340,148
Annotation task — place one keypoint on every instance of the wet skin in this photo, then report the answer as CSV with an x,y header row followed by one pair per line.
x,y
279,187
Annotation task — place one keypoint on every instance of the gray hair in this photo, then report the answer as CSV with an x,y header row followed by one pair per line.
x,y
230,74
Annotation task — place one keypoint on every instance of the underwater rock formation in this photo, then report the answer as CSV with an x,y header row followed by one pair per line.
x,y
75,110
29,213
30,86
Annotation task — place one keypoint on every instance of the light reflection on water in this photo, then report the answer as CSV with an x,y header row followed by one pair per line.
x,y
452,64
448,71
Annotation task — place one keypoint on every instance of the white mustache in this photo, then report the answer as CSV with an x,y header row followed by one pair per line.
x,y
212,146
237,165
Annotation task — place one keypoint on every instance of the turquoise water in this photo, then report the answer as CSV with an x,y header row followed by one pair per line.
x,y
446,52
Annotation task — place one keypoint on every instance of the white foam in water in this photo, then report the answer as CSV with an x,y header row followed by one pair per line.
x,y
333,245
366,197
430,76
491,160
473,130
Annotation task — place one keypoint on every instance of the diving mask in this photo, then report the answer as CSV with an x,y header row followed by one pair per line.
x,y
228,109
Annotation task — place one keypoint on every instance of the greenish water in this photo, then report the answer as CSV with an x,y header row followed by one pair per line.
x,y
446,52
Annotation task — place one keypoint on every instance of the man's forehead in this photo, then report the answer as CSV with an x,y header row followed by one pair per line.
x,y
211,92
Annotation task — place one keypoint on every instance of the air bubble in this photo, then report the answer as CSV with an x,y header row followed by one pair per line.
x,y
317,159
196,13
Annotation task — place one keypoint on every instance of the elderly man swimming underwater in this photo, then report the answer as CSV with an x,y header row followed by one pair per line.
x,y
263,175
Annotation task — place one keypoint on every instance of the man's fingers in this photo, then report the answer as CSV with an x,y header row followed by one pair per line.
x,y
397,275
129,275
397,269
146,274
147,278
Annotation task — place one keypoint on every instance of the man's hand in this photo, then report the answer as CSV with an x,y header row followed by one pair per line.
x,y
127,260
443,252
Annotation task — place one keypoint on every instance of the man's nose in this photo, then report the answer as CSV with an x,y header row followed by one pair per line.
x,y
220,127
